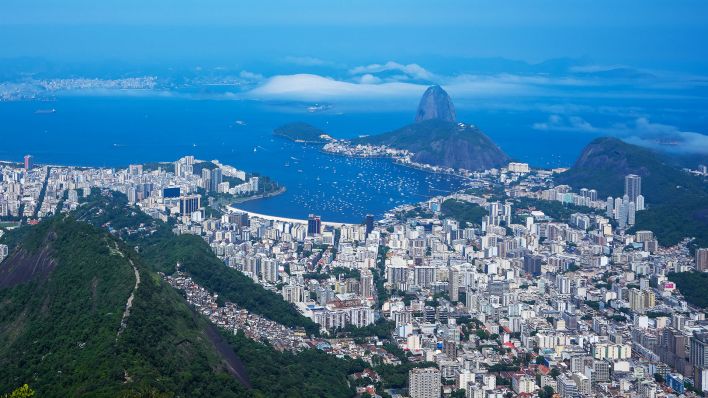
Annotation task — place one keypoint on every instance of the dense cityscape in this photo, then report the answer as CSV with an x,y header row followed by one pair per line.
x,y
370,199
499,296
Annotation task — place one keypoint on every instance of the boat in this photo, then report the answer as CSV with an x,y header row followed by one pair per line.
x,y
44,111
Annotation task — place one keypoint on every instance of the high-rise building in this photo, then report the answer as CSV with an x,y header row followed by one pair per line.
x,y
631,213
567,388
453,284
215,180
698,353
369,223
632,186
135,169
640,202
365,283
610,207
206,179
314,225
532,264
702,259
28,162
424,383
189,204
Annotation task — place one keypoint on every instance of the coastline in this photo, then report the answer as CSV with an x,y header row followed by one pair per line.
x,y
412,165
280,191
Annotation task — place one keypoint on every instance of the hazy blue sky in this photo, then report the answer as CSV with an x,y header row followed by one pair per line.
x,y
636,69
651,34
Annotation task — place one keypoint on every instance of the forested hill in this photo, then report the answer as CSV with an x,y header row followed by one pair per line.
x,y
63,295
162,250
605,162
443,143
677,202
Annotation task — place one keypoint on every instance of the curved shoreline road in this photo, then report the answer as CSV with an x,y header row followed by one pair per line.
x,y
284,219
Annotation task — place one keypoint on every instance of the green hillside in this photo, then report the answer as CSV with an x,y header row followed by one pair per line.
x,y
677,201
63,292
60,322
443,143
162,249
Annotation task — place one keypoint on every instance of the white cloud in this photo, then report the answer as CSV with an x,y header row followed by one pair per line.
x,y
316,88
640,131
250,75
414,71
306,61
565,123
369,79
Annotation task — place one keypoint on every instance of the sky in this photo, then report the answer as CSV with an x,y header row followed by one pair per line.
x,y
641,65
666,34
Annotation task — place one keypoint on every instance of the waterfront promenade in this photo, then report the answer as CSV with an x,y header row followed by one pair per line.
x,y
284,219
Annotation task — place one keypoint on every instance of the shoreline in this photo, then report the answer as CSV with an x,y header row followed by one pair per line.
x,y
417,166
280,191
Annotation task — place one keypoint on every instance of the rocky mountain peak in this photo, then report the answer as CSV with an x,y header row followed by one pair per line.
x,y
435,104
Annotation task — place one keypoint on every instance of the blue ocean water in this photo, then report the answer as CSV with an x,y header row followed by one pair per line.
x,y
116,131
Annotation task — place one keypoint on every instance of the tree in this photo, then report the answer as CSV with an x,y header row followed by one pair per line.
x,y
659,378
546,392
22,392
461,393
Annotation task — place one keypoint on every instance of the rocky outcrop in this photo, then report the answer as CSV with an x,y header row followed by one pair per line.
x,y
435,104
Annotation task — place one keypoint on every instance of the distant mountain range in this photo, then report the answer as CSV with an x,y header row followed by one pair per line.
x,y
677,201
437,139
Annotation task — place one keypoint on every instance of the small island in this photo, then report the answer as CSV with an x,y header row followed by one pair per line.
x,y
302,132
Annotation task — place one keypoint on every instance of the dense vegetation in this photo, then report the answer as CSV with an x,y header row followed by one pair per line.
x,y
692,285
381,329
466,213
677,202
162,250
59,332
165,250
300,132
443,143
311,373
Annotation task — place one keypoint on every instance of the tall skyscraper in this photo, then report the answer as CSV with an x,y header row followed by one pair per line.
x,y
424,383
631,210
28,162
640,202
314,225
702,259
216,179
365,283
453,283
369,222
206,179
632,186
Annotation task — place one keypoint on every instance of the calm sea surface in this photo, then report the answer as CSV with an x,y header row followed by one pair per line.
x,y
116,131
